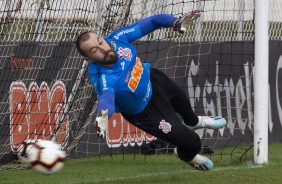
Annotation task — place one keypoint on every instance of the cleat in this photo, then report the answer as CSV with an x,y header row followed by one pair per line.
x,y
210,122
201,163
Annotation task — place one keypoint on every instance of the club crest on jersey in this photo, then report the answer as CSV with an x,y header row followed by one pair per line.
x,y
165,126
124,53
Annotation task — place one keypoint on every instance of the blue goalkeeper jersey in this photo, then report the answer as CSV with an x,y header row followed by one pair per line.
x,y
126,86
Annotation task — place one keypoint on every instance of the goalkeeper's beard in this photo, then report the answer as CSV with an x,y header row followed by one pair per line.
x,y
110,58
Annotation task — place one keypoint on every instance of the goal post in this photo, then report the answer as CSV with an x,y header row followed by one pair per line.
x,y
261,84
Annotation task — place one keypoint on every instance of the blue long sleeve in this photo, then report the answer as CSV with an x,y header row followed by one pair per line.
x,y
154,22
143,27
107,101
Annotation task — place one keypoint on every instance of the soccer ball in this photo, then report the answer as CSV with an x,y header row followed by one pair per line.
x,y
24,148
45,156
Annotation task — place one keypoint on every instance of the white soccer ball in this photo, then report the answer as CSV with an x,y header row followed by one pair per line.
x,y
24,148
46,157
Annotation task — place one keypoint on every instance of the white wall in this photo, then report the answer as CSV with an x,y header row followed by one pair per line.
x,y
214,10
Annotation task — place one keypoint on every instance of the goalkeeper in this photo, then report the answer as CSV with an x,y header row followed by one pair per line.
x,y
145,96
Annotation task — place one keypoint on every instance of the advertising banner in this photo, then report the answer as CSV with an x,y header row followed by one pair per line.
x,y
38,78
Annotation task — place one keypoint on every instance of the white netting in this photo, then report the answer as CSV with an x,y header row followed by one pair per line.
x,y
212,63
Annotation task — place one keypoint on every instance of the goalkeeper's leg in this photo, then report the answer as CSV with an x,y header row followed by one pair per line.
x,y
199,162
181,103
160,120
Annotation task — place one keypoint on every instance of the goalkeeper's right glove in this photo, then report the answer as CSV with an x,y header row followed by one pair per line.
x,y
183,23
101,124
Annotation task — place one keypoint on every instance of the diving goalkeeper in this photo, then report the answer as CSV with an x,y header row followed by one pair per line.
x,y
145,96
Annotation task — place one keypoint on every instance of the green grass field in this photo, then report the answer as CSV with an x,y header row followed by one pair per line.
x,y
154,169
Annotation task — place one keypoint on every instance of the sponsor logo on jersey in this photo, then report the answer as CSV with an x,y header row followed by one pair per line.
x,y
123,32
124,53
147,92
104,81
165,126
113,45
127,77
135,75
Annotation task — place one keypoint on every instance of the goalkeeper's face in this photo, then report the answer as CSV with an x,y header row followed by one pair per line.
x,y
99,51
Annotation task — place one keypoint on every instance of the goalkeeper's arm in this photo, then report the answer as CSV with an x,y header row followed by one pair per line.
x,y
143,27
105,110
147,25
154,22
107,101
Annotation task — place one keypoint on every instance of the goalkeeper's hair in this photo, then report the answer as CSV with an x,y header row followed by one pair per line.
x,y
82,38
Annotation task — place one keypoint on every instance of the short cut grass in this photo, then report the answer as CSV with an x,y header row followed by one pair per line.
x,y
155,169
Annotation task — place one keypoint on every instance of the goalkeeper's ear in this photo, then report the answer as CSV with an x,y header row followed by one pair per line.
x,y
87,59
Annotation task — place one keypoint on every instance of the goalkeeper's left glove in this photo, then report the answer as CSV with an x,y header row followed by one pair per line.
x,y
183,23
101,124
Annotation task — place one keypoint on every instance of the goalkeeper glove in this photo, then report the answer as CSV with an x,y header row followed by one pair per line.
x,y
101,124
182,24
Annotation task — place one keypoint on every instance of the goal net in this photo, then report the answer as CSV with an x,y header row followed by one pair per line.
x,y
45,91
